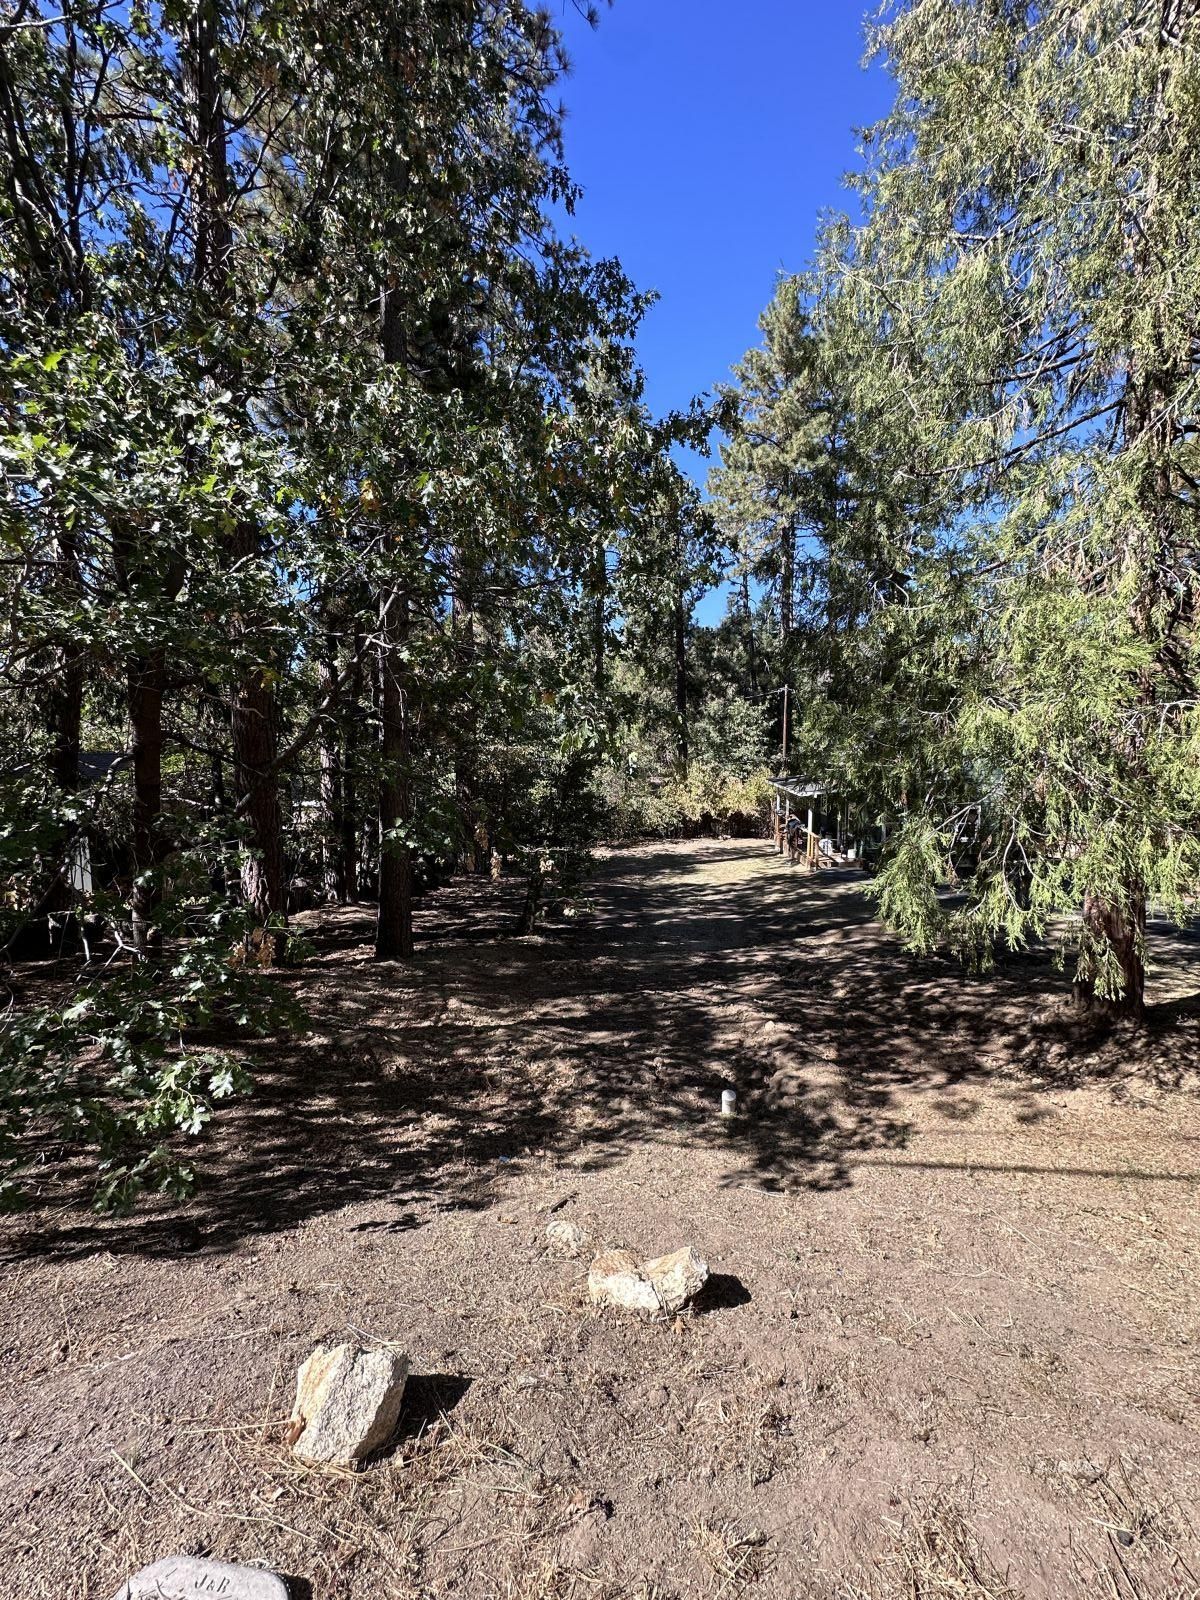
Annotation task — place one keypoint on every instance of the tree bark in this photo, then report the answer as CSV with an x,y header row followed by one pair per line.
x,y
393,930
787,582
66,695
751,657
393,927
351,726
254,749
213,233
1160,563
146,678
1122,932
475,851
333,824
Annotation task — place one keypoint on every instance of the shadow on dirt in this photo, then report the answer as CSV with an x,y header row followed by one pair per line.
x,y
695,968
427,1397
722,1292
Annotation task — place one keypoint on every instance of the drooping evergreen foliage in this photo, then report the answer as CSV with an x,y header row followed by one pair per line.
x,y
1002,658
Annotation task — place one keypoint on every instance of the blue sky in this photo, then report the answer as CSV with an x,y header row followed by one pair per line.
x,y
709,137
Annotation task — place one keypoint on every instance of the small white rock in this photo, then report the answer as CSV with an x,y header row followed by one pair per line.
x,y
661,1286
566,1238
615,1278
347,1402
678,1277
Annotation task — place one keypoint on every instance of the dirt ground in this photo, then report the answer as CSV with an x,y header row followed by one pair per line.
x,y
949,1347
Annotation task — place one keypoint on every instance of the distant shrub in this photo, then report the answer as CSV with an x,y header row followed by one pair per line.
x,y
709,800
726,788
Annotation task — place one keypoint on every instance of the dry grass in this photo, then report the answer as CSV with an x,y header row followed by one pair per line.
x,y
547,1580
337,1522
734,1559
751,1435
932,1556
1142,1534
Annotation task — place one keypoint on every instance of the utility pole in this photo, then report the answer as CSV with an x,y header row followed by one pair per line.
x,y
783,753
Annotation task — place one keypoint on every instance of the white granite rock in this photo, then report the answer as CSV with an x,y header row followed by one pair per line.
x,y
660,1286
347,1402
567,1238
615,1279
677,1278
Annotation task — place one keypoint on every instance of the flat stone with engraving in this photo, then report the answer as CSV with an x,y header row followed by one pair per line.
x,y
189,1578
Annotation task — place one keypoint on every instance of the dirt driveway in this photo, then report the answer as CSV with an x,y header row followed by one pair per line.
x,y
949,1348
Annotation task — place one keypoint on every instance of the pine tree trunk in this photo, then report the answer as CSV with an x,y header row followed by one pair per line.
x,y
1114,927
1122,933
787,582
66,694
393,930
213,235
254,751
333,824
252,722
349,837
1160,563
393,926
466,769
351,720
751,657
